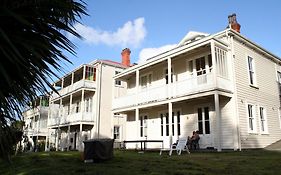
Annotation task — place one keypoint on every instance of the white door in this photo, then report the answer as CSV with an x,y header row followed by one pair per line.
x,y
204,127
169,136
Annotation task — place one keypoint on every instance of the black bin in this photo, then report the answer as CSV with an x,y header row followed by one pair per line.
x,y
96,150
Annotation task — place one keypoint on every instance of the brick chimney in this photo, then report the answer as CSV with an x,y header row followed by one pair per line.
x,y
232,22
126,57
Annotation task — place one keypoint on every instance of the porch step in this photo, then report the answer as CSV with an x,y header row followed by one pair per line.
x,y
274,146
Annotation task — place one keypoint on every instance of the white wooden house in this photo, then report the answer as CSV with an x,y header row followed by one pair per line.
x,y
223,85
82,108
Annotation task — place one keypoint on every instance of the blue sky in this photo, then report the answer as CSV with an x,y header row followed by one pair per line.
x,y
147,25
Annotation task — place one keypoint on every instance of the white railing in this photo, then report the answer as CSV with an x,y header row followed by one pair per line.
x,y
128,100
152,94
72,118
75,86
192,85
188,86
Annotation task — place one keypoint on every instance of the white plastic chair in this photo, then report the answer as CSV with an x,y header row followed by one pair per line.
x,y
181,146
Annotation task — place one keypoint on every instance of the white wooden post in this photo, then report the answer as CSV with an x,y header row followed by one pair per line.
x,y
84,72
170,110
214,70
218,119
68,137
137,115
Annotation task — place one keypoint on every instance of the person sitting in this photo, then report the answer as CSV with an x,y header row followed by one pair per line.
x,y
193,140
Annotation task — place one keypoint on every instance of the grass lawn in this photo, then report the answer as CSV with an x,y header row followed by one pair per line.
x,y
131,162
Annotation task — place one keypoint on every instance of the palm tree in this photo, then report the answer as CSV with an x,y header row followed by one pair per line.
x,y
32,38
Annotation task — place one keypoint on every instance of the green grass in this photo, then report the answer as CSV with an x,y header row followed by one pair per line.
x,y
131,162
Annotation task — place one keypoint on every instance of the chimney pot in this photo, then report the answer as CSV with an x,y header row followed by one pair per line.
x,y
233,23
126,57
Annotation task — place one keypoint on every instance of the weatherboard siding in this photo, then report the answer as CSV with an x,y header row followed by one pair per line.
x,y
265,95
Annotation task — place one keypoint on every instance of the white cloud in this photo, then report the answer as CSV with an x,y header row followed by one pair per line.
x,y
150,52
132,33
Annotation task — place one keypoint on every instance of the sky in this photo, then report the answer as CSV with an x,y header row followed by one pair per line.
x,y
148,27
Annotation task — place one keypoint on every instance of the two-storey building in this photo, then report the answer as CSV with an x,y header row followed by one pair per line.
x,y
81,109
223,85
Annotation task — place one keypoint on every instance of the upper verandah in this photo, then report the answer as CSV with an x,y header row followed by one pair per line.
x,y
187,46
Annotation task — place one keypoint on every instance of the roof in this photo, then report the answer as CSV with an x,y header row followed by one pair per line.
x,y
191,36
203,37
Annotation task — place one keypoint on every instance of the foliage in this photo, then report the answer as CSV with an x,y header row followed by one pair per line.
x,y
32,37
131,162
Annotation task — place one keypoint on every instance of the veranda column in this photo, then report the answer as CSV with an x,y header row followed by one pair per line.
x,y
68,137
82,104
137,85
84,72
170,110
57,139
80,137
176,124
218,119
137,116
214,70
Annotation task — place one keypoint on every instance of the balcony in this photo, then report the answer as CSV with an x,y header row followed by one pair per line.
x,y
72,119
77,85
184,87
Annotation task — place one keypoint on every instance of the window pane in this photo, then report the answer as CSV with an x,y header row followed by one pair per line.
x,y
200,126
161,116
199,114
179,126
206,111
207,127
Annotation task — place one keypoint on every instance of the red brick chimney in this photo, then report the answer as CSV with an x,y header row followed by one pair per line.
x,y
232,21
126,57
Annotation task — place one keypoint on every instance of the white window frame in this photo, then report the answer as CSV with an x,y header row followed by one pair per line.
x,y
116,132
252,72
173,78
279,116
167,125
263,121
193,59
148,83
117,82
279,82
253,117
143,125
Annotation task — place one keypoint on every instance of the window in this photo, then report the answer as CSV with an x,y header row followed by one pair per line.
x,y
90,73
116,132
200,121
200,66
68,109
145,80
88,105
251,116
117,82
190,68
210,62
162,124
280,117
143,126
204,120
167,124
251,71
77,107
221,61
179,122
279,81
263,122
166,75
